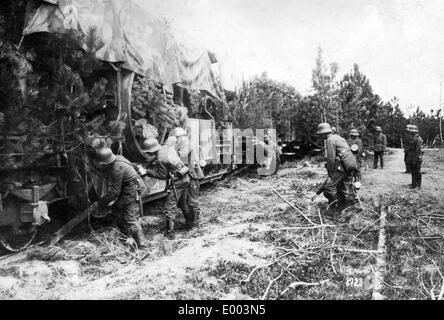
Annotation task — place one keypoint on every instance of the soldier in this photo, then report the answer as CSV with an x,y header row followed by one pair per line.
x,y
171,142
379,147
190,202
124,192
275,150
357,148
414,157
168,166
341,165
407,141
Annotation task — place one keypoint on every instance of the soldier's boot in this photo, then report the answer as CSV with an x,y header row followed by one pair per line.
x,y
419,179
413,185
332,208
170,229
188,220
136,233
197,219
140,239
416,185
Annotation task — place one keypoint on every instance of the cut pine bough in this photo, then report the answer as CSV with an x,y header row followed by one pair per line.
x,y
294,207
380,269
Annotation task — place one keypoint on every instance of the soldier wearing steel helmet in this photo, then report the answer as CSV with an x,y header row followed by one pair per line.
x,y
414,157
341,166
379,147
123,191
168,166
190,157
357,148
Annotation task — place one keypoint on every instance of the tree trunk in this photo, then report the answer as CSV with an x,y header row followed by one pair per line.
x,y
440,128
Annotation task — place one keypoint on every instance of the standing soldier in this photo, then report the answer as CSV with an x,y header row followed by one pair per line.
x,y
407,141
341,165
190,202
414,157
379,147
124,192
168,166
357,148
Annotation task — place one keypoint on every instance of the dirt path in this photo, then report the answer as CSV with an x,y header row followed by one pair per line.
x,y
392,174
393,181
237,239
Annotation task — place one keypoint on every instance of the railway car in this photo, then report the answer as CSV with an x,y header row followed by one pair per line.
x,y
55,168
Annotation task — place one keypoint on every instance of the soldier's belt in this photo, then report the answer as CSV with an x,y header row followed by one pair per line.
x,y
343,152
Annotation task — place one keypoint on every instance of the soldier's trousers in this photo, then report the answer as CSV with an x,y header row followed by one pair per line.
x,y
171,202
378,155
408,169
415,170
189,204
128,219
339,188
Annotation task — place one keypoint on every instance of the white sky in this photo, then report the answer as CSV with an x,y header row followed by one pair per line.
x,y
398,44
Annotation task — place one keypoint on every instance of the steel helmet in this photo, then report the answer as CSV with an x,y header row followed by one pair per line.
x,y
178,132
413,129
98,143
151,145
354,132
105,156
171,141
324,128
378,129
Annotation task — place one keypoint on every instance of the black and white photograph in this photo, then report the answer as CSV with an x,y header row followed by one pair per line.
x,y
235,151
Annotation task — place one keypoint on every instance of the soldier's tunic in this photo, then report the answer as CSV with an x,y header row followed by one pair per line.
x,y
190,202
380,146
414,160
358,142
407,141
168,162
124,188
339,157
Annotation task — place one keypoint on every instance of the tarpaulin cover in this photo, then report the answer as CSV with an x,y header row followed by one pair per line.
x,y
131,35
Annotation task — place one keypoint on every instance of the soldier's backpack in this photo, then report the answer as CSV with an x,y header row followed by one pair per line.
x,y
349,162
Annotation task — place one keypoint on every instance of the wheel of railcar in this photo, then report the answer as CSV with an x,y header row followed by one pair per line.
x,y
16,241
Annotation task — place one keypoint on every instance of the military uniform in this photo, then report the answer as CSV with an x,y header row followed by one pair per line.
x,y
190,202
407,142
358,155
266,157
414,160
124,187
380,146
341,164
168,162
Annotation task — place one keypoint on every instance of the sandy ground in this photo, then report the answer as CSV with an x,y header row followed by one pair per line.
x,y
207,264
393,180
